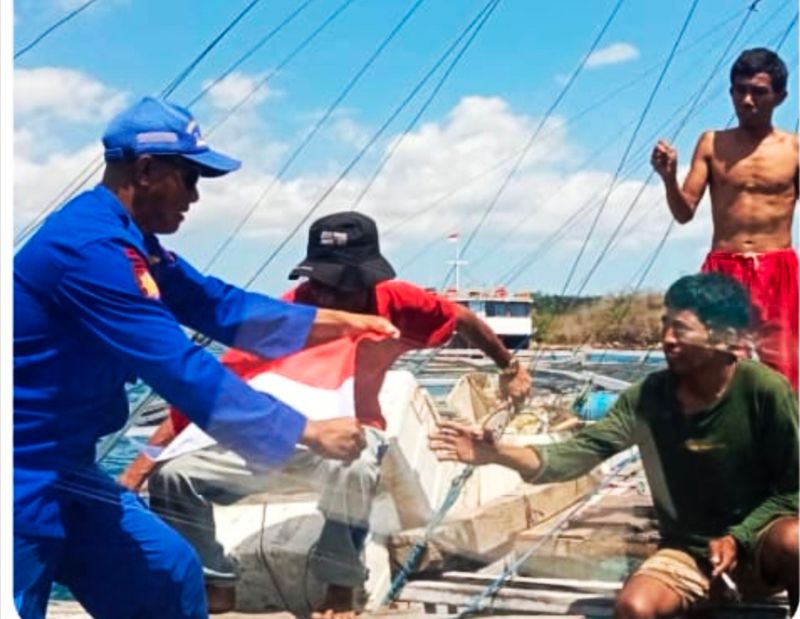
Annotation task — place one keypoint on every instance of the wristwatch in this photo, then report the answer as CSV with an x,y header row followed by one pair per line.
x,y
512,369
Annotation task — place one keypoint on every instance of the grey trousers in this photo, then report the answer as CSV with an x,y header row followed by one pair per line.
x,y
183,491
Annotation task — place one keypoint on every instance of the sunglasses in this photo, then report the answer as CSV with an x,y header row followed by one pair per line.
x,y
190,174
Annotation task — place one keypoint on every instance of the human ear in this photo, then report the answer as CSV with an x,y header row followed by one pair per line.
x,y
143,170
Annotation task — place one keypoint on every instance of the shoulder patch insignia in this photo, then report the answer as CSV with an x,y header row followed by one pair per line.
x,y
141,273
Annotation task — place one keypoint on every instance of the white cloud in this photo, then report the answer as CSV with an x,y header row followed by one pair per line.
x,y
37,181
233,89
63,94
441,178
612,54
350,132
56,108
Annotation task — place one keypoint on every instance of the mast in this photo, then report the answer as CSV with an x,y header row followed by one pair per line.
x,y
455,237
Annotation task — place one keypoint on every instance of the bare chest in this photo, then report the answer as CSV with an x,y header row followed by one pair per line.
x,y
770,169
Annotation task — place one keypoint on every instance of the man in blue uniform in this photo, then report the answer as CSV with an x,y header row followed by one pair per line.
x,y
98,302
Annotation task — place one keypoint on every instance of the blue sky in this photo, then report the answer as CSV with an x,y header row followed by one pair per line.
x,y
117,50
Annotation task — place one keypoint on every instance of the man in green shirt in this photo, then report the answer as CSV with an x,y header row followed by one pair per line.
x,y
719,444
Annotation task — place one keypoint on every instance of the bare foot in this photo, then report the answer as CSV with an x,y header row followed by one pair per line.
x,y
338,604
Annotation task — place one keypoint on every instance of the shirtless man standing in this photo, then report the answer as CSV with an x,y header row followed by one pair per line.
x,y
752,173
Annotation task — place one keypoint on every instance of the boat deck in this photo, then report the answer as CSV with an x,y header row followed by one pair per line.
x,y
73,610
571,544
570,565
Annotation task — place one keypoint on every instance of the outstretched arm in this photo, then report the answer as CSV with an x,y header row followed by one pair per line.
x,y
546,463
455,442
515,378
333,324
101,292
683,201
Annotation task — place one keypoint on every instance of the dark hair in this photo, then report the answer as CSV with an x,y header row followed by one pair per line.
x,y
718,300
761,60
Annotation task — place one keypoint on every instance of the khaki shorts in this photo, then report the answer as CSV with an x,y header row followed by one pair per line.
x,y
681,572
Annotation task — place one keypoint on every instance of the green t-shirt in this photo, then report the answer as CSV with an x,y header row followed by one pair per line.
x,y
728,470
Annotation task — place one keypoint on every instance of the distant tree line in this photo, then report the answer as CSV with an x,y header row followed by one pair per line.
x,y
623,320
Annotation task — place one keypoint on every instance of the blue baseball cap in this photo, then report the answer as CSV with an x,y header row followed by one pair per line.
x,y
156,127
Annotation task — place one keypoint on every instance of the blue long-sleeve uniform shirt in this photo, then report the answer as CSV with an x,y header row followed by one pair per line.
x,y
96,304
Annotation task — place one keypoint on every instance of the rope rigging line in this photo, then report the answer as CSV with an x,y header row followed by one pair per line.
x,y
644,270
314,130
712,96
695,100
400,579
259,44
199,339
648,265
409,127
458,483
628,148
788,31
441,199
181,77
622,313
581,114
694,103
476,25
94,166
454,491
501,190
53,27
477,603
498,583
528,259
72,187
203,341
515,228
281,65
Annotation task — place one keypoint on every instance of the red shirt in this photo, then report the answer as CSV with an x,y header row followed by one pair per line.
x,y
425,320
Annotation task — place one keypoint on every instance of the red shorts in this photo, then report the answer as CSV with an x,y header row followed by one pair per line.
x,y
771,279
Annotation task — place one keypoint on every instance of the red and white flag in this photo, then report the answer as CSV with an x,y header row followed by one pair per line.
x,y
317,382
452,237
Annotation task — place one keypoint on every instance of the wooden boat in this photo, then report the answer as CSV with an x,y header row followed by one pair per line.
x,y
572,543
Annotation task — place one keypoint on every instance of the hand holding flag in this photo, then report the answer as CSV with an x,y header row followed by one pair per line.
x,y
333,324
341,438
317,382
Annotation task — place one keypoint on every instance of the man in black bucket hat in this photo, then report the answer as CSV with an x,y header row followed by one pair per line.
x,y
343,269
344,253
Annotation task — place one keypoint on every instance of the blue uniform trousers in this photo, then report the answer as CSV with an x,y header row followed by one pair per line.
x,y
118,559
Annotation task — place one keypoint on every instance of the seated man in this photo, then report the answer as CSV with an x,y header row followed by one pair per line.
x,y
344,269
718,440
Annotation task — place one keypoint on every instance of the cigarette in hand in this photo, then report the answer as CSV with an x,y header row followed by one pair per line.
x,y
730,584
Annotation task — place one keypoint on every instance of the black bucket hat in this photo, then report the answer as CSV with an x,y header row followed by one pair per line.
x,y
344,253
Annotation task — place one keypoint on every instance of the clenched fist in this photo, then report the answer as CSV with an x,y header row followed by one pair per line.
x,y
664,159
340,439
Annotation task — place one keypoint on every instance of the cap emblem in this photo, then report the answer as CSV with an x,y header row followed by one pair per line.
x,y
333,238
